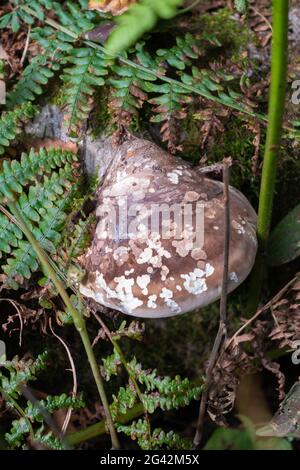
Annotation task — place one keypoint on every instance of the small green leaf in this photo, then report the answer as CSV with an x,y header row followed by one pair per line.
x,y
284,245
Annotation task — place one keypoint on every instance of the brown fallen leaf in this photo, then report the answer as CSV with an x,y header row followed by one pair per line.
x,y
115,7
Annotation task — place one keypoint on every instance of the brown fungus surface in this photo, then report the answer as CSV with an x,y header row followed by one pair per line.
x,y
158,246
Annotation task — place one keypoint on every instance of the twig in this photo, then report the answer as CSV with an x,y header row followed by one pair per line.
x,y
261,16
214,168
14,303
222,331
73,370
26,46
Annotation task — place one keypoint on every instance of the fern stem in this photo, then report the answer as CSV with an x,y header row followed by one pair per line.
x,y
128,370
98,429
273,139
188,8
78,319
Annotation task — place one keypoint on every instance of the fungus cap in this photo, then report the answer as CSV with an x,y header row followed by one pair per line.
x,y
158,245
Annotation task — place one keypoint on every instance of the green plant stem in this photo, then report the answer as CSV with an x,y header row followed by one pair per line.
x,y
98,429
78,319
272,148
125,365
188,8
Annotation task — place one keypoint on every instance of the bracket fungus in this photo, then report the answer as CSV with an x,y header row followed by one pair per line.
x,y
158,245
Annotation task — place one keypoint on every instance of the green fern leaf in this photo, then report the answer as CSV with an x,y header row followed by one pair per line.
x,y
129,93
12,122
20,373
124,400
89,66
16,174
23,261
140,18
41,68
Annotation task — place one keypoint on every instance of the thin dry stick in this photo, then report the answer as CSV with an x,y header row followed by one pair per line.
x,y
264,18
19,315
73,370
26,46
222,331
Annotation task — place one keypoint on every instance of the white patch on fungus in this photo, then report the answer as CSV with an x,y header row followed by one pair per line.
x,y
142,282
153,253
151,301
145,256
195,282
120,255
164,272
130,271
191,196
122,291
174,176
238,227
166,295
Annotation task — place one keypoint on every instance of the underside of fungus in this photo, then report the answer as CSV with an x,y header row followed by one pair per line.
x,y
158,245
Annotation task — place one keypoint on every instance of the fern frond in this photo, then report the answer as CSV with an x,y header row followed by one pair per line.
x,y
140,18
19,429
110,365
44,205
186,50
48,439
159,439
52,403
78,18
173,393
40,198
124,401
47,232
129,93
15,174
82,78
34,77
20,373
12,122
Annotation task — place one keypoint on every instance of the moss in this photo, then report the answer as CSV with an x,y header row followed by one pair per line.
x,y
231,33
